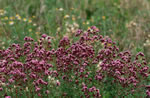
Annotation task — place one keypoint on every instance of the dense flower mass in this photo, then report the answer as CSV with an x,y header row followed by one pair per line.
x,y
92,66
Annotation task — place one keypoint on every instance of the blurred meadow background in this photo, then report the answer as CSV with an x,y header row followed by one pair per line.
x,y
126,21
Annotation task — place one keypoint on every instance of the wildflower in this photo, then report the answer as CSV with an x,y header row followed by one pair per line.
x,y
11,22
44,35
103,17
72,8
73,18
6,18
57,83
34,24
75,24
33,16
66,16
1,89
47,91
39,94
37,33
2,12
61,9
29,21
24,19
108,45
89,28
134,24
58,29
148,93
18,17
99,65
11,80
37,89
30,30
87,23
28,39
147,41
78,32
27,89
68,30
51,78
64,42
12,18
7,96
83,23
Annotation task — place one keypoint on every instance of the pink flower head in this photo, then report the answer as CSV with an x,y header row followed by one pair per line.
x,y
7,96
1,89
44,35
148,92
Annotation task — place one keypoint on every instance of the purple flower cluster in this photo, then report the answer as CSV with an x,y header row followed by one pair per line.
x,y
64,42
27,65
88,63
79,61
90,92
